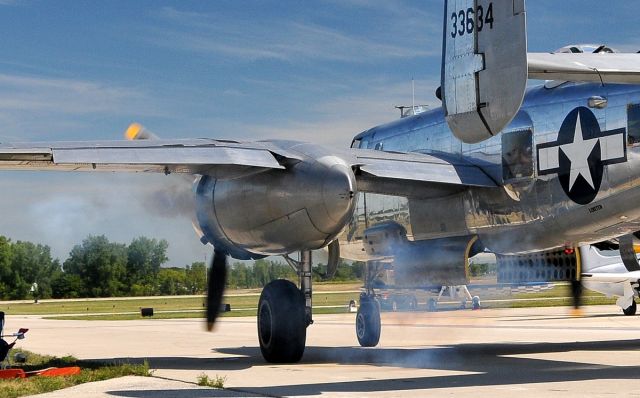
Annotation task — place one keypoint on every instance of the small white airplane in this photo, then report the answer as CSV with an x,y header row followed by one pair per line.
x,y
607,274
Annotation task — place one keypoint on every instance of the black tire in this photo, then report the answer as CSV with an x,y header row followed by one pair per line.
x,y
4,350
630,310
282,325
432,305
368,325
413,303
475,303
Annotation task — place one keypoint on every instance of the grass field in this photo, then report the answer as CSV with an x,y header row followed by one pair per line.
x,y
90,371
328,298
244,304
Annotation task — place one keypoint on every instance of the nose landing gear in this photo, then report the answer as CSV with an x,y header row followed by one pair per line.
x,y
368,325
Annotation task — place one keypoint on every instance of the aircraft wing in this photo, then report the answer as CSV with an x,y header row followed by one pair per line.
x,y
411,174
611,277
415,174
194,156
585,67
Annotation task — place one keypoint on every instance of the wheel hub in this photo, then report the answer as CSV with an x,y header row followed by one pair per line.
x,y
265,324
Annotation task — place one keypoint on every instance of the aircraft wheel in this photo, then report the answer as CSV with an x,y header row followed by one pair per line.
x,y
282,326
630,310
413,304
368,325
475,303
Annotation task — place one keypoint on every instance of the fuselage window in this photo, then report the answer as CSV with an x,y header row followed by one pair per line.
x,y
517,155
633,124
379,146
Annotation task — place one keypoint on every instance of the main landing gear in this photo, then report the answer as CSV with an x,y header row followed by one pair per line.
x,y
368,324
284,312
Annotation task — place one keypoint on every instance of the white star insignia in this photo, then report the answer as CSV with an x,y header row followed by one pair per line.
x,y
578,153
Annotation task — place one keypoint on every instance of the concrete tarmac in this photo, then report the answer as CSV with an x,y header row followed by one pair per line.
x,y
528,352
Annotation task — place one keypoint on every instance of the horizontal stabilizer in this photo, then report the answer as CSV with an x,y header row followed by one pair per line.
x,y
585,67
611,277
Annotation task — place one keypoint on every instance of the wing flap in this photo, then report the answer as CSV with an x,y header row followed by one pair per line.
x,y
585,67
422,168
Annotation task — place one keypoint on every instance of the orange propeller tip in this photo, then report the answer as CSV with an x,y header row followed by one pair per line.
x,y
577,312
210,326
132,131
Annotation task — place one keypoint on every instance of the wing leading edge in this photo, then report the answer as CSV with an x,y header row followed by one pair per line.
x,y
193,156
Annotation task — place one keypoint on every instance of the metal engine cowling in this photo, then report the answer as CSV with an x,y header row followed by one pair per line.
x,y
303,207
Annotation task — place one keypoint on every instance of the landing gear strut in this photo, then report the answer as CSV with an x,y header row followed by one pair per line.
x,y
630,310
284,312
460,292
627,302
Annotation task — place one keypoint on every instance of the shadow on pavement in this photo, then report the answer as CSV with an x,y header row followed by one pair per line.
x,y
491,365
192,393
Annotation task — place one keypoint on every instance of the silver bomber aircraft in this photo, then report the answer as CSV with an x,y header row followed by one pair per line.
x,y
530,174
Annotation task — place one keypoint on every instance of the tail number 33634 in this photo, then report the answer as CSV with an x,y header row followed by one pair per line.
x,y
465,21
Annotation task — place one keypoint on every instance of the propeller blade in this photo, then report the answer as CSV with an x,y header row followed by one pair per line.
x,y
215,289
576,293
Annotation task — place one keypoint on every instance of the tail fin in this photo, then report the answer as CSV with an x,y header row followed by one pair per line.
x,y
484,65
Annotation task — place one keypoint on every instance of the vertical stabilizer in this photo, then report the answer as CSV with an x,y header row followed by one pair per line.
x,y
484,65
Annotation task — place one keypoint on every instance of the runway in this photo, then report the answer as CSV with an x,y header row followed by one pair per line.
x,y
487,353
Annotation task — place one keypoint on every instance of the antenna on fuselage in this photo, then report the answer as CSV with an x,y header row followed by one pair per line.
x,y
413,109
413,95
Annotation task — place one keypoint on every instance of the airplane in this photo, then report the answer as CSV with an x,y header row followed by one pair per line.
x,y
528,173
607,274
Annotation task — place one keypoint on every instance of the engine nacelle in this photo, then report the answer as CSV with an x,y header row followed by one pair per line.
x,y
274,212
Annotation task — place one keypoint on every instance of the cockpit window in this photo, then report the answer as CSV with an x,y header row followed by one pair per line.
x,y
517,155
633,124
356,143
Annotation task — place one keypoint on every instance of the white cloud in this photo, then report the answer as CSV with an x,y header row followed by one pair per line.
x,y
288,40
337,119
23,93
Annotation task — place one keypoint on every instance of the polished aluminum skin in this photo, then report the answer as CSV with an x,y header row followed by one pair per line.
x,y
531,212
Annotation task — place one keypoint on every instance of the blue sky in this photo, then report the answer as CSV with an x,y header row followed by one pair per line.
x,y
318,71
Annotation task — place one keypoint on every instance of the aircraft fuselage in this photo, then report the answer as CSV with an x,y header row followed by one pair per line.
x,y
568,164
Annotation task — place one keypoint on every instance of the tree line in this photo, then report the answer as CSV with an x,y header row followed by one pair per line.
x,y
100,268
